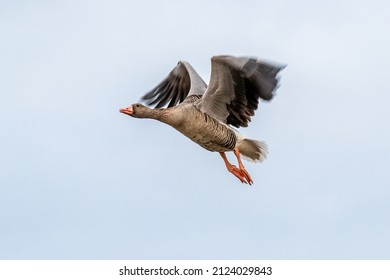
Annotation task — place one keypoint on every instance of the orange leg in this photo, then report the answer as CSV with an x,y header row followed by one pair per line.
x,y
240,172
242,168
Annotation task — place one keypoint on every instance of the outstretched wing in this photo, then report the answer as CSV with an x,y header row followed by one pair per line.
x,y
181,82
236,84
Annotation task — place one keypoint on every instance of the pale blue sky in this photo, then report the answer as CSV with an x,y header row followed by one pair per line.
x,y
79,180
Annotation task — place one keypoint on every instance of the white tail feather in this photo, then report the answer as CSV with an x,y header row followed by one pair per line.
x,y
253,150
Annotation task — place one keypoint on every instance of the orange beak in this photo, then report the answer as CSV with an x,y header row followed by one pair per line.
x,y
128,111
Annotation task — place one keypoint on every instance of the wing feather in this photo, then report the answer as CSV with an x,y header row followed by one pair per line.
x,y
236,85
181,82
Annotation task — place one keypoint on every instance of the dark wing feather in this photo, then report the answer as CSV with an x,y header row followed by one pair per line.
x,y
180,82
236,85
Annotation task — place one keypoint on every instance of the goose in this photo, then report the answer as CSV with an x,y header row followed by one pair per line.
x,y
207,114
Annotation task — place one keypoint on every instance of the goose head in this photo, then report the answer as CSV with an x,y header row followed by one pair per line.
x,y
137,110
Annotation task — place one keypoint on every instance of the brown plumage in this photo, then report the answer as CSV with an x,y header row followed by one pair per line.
x,y
206,114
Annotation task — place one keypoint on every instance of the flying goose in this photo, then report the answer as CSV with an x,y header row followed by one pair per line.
x,y
206,114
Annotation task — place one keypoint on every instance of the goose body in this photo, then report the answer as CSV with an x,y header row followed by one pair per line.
x,y
205,130
206,115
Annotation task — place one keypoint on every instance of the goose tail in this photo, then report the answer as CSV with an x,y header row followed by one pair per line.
x,y
253,150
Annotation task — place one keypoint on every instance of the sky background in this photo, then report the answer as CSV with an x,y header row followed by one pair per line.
x,y
79,180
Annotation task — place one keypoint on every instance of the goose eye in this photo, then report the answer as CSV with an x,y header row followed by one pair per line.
x,y
137,105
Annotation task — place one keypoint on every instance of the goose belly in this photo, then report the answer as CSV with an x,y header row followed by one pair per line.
x,y
210,134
